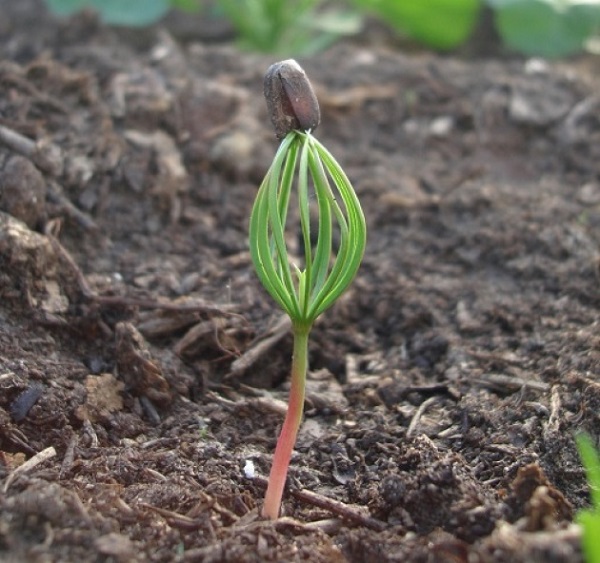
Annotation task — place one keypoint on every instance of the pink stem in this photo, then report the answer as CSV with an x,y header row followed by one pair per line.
x,y
289,431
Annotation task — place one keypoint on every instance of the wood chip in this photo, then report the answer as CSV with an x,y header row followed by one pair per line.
x,y
30,464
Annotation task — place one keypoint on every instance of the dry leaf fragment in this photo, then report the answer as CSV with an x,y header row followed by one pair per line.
x,y
103,397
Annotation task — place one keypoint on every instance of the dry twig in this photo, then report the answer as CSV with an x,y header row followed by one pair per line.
x,y
414,423
30,464
67,462
261,346
338,508
509,384
46,156
176,520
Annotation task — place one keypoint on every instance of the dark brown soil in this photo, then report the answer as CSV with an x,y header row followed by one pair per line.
x,y
142,366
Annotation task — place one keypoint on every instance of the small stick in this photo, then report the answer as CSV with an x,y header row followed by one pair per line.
x,y
553,423
338,508
175,519
18,438
261,347
89,430
196,306
329,526
216,506
508,383
69,457
414,423
30,464
17,142
46,156
56,196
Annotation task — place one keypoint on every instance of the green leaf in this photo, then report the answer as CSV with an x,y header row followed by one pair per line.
x,y
591,463
590,519
132,13
335,22
66,7
590,522
290,27
186,5
545,28
441,24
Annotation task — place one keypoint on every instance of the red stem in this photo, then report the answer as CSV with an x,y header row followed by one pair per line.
x,y
289,431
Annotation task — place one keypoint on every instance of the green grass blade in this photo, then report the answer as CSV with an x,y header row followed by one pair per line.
x,y
591,463
590,522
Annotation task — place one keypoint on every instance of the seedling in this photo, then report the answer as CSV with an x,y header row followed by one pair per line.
x,y
290,27
590,519
302,170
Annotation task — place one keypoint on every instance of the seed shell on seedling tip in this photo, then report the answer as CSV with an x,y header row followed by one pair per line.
x,y
291,100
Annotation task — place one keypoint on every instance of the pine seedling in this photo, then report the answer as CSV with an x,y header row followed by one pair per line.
x,y
303,172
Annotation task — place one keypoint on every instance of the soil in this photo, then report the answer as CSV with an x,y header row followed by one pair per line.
x,y
143,369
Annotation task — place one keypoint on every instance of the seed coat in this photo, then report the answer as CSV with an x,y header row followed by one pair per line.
x,y
291,101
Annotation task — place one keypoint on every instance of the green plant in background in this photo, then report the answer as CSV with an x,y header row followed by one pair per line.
x,y
441,24
303,169
270,26
134,13
547,28
287,27
590,519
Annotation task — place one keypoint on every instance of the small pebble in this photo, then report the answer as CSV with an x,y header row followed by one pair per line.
x,y
249,469
21,406
23,191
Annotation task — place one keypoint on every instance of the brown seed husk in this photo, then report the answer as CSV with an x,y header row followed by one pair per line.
x,y
291,100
